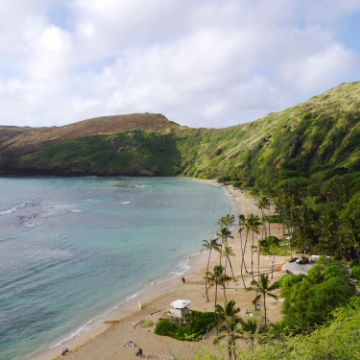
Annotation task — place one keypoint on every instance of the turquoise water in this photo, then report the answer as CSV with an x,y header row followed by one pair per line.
x,y
71,248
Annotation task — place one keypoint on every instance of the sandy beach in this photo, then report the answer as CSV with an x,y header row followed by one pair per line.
x,y
106,342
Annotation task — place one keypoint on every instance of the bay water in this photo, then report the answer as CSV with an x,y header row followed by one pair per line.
x,y
73,248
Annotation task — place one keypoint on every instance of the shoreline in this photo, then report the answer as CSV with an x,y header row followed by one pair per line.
x,y
118,326
148,293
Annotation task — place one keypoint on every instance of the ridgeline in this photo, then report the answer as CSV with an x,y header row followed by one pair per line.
x,y
314,140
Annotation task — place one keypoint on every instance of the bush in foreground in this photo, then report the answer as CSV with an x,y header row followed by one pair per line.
x,y
338,340
198,324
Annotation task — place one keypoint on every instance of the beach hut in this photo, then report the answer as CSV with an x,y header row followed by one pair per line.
x,y
180,309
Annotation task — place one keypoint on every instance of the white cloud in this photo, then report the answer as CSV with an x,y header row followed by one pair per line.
x,y
206,63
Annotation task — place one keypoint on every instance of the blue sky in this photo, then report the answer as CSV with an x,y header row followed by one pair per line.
x,y
209,63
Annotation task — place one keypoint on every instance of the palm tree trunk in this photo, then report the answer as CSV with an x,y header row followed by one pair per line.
x,y
246,239
242,262
269,220
226,261
265,308
215,302
234,352
231,268
221,250
207,270
259,251
225,298
229,349
252,255
264,222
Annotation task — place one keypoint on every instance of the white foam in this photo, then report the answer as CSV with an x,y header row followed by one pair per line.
x,y
9,211
76,211
75,333
125,202
15,208
183,266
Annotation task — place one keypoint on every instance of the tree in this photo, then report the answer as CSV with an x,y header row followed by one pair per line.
x,y
270,244
227,253
217,278
229,320
209,245
309,300
252,223
227,220
263,289
224,234
262,204
350,217
242,220
249,330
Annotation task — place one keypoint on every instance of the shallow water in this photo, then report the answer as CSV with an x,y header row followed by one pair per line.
x,y
72,248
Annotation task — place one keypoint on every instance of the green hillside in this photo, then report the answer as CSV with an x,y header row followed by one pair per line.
x,y
311,141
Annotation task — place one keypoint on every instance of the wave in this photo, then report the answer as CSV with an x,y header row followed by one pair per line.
x,y
125,202
76,333
16,208
183,267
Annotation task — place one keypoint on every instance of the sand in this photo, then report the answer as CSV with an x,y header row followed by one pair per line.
x,y
107,341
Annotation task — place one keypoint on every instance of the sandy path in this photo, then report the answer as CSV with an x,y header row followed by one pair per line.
x,y
109,344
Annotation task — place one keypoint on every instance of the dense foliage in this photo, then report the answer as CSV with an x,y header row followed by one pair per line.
x,y
309,300
337,340
198,324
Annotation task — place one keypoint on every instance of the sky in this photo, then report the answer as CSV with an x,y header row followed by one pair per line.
x,y
201,63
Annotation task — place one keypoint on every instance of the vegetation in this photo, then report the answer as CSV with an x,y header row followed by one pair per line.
x,y
263,289
336,340
197,325
309,300
230,320
304,161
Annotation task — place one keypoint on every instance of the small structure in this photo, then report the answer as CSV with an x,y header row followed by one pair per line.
x,y
180,309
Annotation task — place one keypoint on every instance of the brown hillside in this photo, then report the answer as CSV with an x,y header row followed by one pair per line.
x,y
14,139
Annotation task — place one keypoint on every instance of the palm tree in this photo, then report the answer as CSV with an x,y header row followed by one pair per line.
x,y
224,234
252,223
209,245
226,220
227,253
263,289
242,220
262,204
217,278
249,330
228,318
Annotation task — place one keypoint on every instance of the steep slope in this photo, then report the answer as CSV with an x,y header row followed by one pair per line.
x,y
313,140
59,150
318,138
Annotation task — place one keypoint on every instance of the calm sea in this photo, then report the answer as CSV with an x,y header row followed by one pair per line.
x,y
72,248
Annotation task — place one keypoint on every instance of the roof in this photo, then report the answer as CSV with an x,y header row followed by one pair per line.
x,y
180,304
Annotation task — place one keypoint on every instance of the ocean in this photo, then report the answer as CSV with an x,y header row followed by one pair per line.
x,y
71,249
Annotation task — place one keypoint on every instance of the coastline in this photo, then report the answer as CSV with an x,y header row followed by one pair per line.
x,y
106,338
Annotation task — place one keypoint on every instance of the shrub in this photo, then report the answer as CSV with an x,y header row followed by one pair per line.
x,y
355,272
165,328
354,262
198,324
309,302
